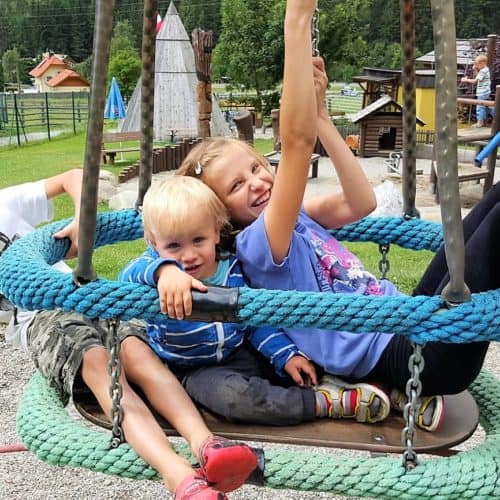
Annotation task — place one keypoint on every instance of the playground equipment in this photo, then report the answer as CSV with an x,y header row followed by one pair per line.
x,y
489,148
49,432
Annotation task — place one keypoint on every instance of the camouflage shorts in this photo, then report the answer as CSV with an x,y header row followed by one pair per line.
x,y
58,340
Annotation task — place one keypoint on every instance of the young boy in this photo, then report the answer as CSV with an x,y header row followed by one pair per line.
x,y
69,349
482,80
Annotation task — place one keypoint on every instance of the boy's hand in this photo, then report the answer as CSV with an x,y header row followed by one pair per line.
x,y
71,232
174,290
301,370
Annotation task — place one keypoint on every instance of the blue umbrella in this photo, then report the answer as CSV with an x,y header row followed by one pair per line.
x,y
114,103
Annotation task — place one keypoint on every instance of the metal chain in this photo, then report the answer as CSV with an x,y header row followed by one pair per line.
x,y
315,33
413,391
115,390
384,265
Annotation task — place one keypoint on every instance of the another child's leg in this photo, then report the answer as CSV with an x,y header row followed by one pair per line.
x,y
481,115
65,346
482,241
225,463
162,389
246,389
449,368
141,429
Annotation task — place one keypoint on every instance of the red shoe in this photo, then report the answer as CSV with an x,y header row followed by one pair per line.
x,y
226,464
197,488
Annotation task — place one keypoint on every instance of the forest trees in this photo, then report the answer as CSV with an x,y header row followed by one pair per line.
x,y
124,62
250,46
354,33
10,65
203,15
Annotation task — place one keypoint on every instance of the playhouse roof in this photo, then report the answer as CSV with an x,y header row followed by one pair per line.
x,y
378,105
175,99
467,50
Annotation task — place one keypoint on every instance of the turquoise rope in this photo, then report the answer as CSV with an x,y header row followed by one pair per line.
x,y
49,432
29,281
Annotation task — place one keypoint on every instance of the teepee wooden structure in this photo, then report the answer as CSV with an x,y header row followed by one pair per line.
x,y
175,101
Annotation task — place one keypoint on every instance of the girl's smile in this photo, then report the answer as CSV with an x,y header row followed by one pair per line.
x,y
242,182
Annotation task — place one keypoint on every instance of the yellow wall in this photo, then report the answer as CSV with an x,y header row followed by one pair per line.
x,y
425,107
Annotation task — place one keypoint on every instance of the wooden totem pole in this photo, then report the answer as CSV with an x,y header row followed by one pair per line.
x,y
202,46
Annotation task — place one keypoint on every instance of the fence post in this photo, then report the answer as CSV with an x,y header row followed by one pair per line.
x,y
16,112
73,111
4,110
47,114
21,111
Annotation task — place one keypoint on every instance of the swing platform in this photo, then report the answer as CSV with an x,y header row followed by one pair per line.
x,y
460,421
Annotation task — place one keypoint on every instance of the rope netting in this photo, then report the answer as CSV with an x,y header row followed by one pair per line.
x,y
46,428
28,280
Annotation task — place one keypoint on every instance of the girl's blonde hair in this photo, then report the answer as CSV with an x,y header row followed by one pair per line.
x,y
169,204
208,150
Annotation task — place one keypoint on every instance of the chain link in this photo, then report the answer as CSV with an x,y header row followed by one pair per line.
x,y
115,390
315,33
413,391
384,265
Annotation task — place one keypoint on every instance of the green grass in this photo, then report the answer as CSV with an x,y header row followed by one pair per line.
x,y
47,158
406,266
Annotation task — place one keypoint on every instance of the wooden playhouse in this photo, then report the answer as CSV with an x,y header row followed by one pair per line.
x,y
381,127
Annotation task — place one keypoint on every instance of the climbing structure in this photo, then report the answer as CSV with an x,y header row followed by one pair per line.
x,y
175,101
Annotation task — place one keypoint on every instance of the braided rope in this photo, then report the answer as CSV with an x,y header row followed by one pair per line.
x,y
421,318
38,286
49,432
415,234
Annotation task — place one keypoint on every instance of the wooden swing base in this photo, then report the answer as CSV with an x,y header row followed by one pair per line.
x,y
461,418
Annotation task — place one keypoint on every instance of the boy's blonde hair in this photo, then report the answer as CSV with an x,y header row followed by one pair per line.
x,y
208,150
481,58
169,204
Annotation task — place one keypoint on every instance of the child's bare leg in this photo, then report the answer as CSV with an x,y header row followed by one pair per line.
x,y
158,381
141,429
225,464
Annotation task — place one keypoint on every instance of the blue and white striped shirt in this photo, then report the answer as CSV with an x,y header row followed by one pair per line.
x,y
196,343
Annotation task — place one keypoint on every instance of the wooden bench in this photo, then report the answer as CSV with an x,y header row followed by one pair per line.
x,y
175,135
469,171
119,137
274,158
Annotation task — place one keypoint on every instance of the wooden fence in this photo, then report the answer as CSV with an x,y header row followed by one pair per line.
x,y
42,115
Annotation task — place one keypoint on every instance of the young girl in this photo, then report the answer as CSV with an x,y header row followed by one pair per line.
x,y
218,362
283,243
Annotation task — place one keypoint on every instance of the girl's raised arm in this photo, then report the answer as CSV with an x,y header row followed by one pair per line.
x,y
356,198
298,131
